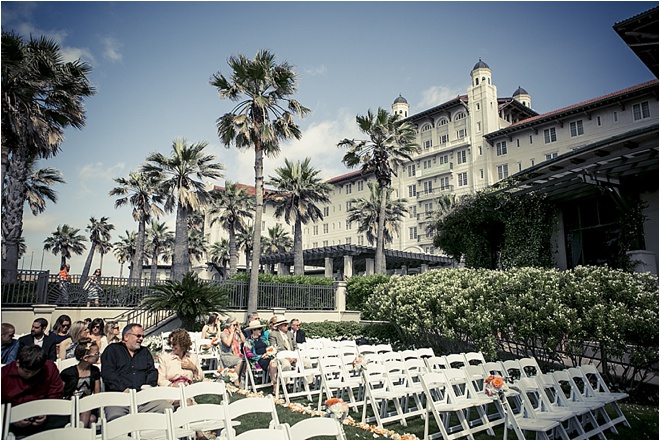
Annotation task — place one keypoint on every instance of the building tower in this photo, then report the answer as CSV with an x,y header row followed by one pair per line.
x,y
484,118
523,97
400,107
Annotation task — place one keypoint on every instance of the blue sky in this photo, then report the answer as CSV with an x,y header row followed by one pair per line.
x,y
152,63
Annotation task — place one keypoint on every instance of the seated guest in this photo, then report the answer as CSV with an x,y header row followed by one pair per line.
x,y
179,365
252,316
96,329
38,337
230,346
84,378
298,334
128,365
111,334
78,331
9,343
32,377
60,331
211,328
256,348
282,340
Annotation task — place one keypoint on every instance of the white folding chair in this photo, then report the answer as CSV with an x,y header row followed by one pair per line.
x,y
313,427
436,363
529,367
408,354
367,349
165,338
399,381
390,356
425,352
207,355
216,388
265,434
200,417
599,389
569,394
383,347
256,378
328,344
513,370
462,391
48,407
474,358
345,343
157,393
378,395
455,361
246,406
335,380
494,368
372,358
101,401
135,425
63,364
66,433
295,377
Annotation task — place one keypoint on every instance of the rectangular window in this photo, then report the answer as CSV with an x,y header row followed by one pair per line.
x,y
412,232
615,116
413,211
549,156
349,188
478,126
444,183
360,185
427,164
428,187
348,241
360,240
428,207
411,170
315,230
325,228
460,134
444,139
326,211
481,173
427,144
598,121
520,166
641,111
443,159
315,244
461,157
576,128
501,148
349,225
412,191
462,179
349,204
502,171
325,243
518,142
550,135
530,139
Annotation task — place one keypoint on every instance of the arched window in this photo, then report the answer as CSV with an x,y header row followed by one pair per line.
x,y
460,115
443,121
426,127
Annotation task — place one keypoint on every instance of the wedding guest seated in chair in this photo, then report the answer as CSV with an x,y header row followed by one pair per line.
x,y
259,351
231,339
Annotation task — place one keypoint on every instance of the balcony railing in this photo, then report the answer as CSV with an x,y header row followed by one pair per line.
x,y
442,168
430,194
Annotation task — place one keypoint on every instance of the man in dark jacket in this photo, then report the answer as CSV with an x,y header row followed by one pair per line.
x,y
298,334
38,337
128,365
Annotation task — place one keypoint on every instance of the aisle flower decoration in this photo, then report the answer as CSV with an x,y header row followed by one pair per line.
x,y
358,364
495,385
337,408
228,375
271,351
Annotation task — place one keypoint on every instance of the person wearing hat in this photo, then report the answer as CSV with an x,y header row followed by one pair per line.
x,y
282,339
256,350
230,346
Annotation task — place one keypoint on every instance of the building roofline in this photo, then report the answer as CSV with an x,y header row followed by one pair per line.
x,y
575,108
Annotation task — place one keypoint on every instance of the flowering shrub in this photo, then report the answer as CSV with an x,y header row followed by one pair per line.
x,y
154,343
546,313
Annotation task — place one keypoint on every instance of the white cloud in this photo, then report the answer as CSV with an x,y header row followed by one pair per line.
x,y
314,71
112,49
91,175
74,53
436,95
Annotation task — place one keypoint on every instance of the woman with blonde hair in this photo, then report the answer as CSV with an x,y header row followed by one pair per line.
x,y
111,332
78,330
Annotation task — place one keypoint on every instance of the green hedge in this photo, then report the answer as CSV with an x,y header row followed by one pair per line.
x,y
372,333
546,313
297,280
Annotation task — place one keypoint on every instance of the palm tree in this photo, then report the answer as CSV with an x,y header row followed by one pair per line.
x,y
182,175
277,241
41,96
446,204
390,145
230,208
64,241
125,250
99,231
39,187
301,189
245,241
262,117
366,212
159,237
196,221
104,247
219,254
196,246
144,193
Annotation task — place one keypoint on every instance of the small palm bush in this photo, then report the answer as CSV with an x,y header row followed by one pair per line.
x,y
189,298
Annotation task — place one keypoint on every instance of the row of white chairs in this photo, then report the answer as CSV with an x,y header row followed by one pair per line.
x,y
184,422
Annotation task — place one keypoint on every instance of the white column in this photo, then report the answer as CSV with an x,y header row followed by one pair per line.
x,y
328,267
370,267
348,266
340,296
424,268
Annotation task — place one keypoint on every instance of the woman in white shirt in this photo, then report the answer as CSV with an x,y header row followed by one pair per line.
x,y
180,365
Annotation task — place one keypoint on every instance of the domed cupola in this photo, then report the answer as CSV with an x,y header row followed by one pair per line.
x,y
400,107
481,74
523,97
480,65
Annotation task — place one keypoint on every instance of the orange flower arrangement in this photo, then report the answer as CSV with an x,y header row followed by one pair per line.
x,y
495,384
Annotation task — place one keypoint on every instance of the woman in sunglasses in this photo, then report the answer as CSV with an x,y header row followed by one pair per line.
x,y
84,378
96,330
60,331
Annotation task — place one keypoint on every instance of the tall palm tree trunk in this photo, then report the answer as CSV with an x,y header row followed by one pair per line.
x,y
298,262
101,261
233,251
180,259
154,266
256,242
121,270
136,267
380,239
12,213
88,264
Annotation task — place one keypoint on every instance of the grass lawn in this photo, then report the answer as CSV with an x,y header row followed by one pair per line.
x,y
643,420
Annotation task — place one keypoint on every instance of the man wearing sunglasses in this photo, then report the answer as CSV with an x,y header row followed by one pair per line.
x,y
129,365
